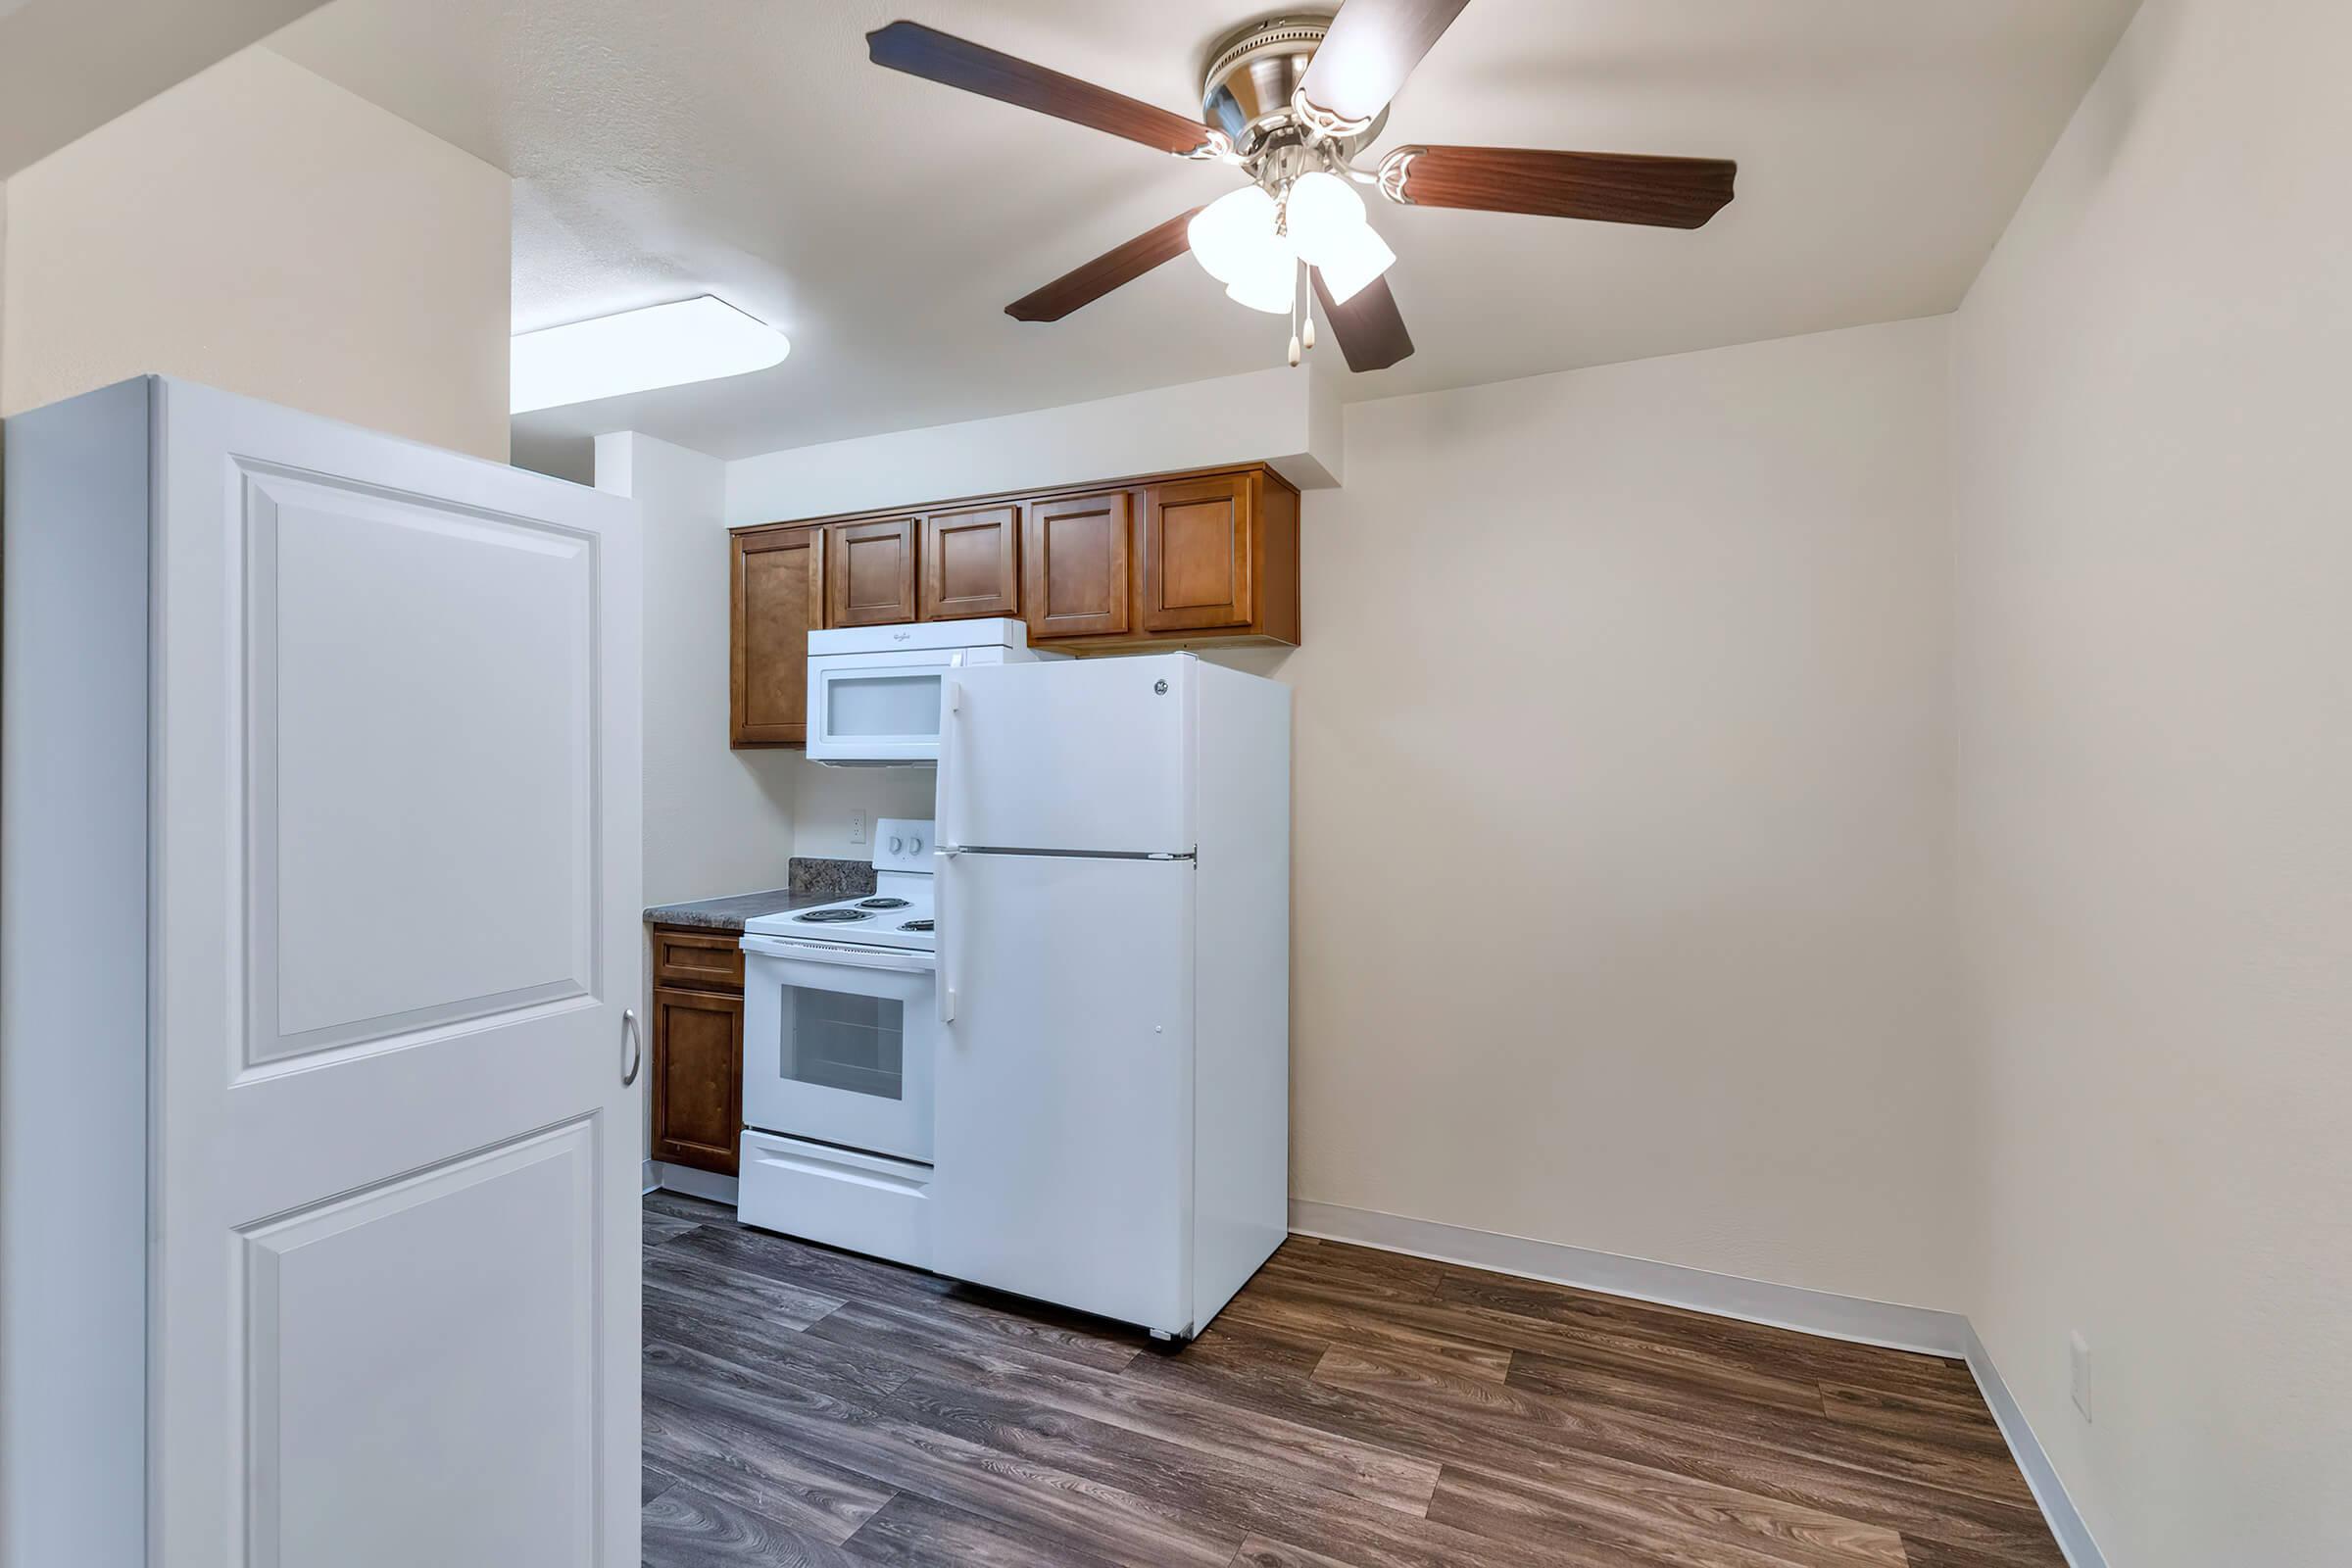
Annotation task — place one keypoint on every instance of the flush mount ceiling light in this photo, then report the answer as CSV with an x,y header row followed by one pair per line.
x,y
1291,102
638,351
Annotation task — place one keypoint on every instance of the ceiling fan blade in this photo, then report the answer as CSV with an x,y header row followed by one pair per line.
x,y
1373,45
1113,269
1371,333
1606,187
953,62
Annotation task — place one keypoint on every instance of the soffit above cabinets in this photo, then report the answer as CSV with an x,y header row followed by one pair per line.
x,y
753,152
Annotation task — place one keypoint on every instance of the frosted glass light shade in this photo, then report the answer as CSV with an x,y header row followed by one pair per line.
x,y
1324,214
1231,234
1356,261
1270,285
636,351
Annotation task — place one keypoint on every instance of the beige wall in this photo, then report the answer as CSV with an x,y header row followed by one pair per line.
x,y
263,230
1664,645
1622,814
2155,709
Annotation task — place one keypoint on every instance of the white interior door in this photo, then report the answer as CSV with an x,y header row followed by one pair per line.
x,y
1063,1112
1085,755
395,1303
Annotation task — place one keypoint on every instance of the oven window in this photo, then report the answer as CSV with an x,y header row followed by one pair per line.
x,y
836,1041
882,706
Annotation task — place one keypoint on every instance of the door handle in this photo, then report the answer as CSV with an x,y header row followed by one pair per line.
x,y
632,1051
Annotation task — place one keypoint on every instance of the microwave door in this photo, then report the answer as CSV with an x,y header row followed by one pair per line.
x,y
877,707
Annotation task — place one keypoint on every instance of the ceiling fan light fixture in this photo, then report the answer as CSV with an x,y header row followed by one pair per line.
x,y
1362,257
1232,234
1324,215
1270,285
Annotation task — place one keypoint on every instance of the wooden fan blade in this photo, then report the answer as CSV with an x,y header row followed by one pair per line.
x,y
1373,45
1606,187
953,62
1113,269
1371,333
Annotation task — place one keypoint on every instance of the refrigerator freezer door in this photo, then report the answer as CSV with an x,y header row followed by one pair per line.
x,y
1063,1140
1087,756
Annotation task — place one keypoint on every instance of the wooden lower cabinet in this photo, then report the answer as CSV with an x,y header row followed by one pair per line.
x,y
696,1059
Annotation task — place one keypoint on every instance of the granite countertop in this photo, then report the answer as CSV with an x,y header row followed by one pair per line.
x,y
729,913
813,881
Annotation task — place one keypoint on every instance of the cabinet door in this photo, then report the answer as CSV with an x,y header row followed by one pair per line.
x,y
698,1078
869,568
1075,555
1196,543
971,562
779,595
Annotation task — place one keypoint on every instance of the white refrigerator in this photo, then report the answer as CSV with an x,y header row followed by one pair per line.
x,y
1112,1087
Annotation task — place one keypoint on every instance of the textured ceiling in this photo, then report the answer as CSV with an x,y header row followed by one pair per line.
x,y
664,148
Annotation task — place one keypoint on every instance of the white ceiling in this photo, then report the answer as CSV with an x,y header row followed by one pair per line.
x,y
664,148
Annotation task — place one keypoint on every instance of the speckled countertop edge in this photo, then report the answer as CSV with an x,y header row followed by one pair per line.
x,y
813,882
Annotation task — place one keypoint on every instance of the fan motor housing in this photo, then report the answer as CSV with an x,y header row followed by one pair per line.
x,y
1253,73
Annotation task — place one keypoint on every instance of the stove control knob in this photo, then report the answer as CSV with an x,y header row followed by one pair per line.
x,y
915,846
898,845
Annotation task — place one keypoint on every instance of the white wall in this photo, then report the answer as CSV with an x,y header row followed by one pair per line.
x,y
2155,721
260,229
1662,646
716,821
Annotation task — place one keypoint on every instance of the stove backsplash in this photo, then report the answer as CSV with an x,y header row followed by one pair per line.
x,y
813,878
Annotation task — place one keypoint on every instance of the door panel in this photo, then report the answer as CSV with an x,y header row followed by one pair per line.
x,y
870,572
971,562
1088,754
396,771
335,577
1198,540
340,1292
1063,1114
779,597
1076,564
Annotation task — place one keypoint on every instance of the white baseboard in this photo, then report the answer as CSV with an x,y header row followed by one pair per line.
x,y
695,1183
2065,1520
1782,1306
651,1177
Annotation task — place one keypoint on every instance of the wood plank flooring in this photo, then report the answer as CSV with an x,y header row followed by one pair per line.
x,y
1349,1409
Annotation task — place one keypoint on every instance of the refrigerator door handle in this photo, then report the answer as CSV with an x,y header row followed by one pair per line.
x,y
943,862
950,703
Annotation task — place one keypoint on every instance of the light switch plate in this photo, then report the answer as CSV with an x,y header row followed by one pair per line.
x,y
856,827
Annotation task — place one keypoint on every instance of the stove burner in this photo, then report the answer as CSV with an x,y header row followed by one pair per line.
x,y
916,925
832,916
881,903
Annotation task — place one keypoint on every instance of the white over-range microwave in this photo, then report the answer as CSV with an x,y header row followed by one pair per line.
x,y
874,690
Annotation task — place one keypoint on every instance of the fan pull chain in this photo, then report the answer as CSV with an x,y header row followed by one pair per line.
x,y
1310,326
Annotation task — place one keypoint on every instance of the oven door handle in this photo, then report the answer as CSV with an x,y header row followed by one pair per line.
x,y
910,961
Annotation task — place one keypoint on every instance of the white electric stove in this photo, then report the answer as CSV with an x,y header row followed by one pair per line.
x,y
840,1009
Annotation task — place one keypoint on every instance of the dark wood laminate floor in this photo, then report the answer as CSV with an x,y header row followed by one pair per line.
x,y
1349,1409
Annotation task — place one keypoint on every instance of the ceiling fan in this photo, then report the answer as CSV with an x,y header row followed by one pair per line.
x,y
1289,101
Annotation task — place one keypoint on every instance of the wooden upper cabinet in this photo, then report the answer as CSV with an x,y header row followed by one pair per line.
x,y
971,562
1075,556
1198,548
869,571
779,595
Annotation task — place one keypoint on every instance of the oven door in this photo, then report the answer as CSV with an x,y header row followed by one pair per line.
x,y
837,1045
877,707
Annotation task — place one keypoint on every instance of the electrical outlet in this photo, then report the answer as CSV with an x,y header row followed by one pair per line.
x,y
2077,1371
856,827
